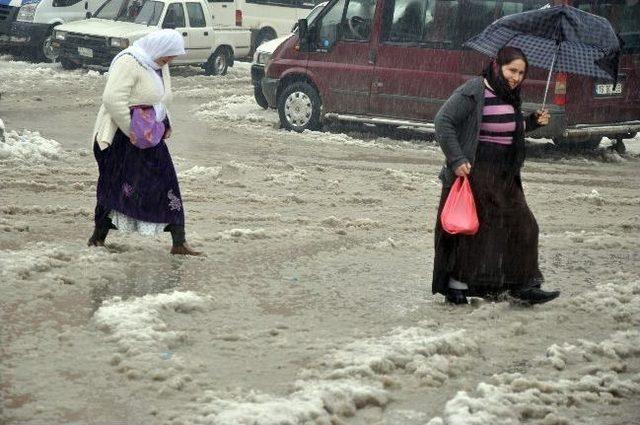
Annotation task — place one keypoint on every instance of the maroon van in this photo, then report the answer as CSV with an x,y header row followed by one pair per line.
x,y
395,62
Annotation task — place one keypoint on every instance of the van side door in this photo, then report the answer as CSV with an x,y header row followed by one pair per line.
x,y
200,34
339,58
175,18
418,58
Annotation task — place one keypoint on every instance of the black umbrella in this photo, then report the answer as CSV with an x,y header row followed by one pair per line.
x,y
560,38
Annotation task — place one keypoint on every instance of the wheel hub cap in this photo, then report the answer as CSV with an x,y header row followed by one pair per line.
x,y
298,109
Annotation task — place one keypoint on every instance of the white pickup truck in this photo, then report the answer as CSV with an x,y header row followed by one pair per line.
x,y
118,23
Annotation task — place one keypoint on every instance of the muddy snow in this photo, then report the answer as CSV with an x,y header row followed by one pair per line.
x,y
313,303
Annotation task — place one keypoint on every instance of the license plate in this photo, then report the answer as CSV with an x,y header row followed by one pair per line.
x,y
608,89
85,51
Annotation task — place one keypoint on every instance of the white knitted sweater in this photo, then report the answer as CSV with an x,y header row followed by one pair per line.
x,y
129,84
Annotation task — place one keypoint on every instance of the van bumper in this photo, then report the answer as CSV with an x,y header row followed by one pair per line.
x,y
28,33
270,90
101,54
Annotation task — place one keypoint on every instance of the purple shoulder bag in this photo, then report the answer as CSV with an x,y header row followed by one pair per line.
x,y
146,132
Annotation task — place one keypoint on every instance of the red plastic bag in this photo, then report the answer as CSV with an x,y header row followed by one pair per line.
x,y
459,214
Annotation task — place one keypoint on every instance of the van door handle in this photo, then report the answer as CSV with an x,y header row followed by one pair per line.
x,y
206,33
373,55
184,34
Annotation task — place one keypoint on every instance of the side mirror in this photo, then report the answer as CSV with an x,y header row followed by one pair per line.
x,y
303,35
88,15
169,25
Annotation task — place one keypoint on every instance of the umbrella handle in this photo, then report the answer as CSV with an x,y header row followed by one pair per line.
x,y
553,62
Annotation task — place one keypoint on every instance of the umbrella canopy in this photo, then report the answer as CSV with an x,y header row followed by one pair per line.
x,y
559,38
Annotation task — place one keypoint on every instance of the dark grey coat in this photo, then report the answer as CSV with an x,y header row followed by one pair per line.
x,y
458,127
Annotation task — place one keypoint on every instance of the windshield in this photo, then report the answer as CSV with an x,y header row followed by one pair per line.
x,y
120,10
315,12
150,13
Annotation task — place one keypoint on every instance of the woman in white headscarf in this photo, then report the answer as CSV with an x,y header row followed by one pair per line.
x,y
137,185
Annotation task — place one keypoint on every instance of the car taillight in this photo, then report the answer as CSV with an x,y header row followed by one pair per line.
x,y
238,18
560,98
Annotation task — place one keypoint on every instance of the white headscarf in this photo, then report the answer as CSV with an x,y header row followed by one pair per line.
x,y
165,42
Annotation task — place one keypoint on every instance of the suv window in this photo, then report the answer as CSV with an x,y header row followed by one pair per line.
x,y
196,16
442,26
174,17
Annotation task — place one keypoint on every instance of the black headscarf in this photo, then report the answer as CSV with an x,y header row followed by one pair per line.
x,y
493,74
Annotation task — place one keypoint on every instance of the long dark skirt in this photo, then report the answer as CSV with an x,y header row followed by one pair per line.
x,y
503,255
141,183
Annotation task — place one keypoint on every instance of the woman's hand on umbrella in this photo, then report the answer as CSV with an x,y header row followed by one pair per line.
x,y
542,117
463,170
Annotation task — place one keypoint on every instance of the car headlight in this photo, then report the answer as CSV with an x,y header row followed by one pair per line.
x,y
121,43
27,12
263,58
60,35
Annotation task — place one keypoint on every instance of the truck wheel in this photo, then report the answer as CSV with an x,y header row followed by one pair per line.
x,y
585,143
45,51
299,107
265,34
259,96
218,63
68,65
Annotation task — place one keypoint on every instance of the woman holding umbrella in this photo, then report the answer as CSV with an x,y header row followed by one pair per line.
x,y
481,131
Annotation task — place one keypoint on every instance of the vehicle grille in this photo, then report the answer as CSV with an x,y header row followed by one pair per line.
x,y
91,41
102,54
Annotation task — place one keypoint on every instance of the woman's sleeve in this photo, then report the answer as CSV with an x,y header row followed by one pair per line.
x,y
117,93
451,116
531,122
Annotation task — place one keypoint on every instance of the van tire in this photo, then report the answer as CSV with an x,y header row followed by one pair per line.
x,y
218,62
68,65
586,143
299,107
259,96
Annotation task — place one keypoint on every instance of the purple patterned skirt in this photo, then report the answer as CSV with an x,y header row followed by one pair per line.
x,y
141,183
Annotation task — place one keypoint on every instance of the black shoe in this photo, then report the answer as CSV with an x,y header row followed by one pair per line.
x,y
456,296
534,295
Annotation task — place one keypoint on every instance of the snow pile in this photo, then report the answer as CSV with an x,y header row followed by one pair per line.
x,y
33,259
359,223
29,147
136,325
291,177
432,358
311,402
238,108
620,300
513,398
197,172
593,198
235,234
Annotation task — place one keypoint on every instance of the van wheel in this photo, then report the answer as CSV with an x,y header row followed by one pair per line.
x,y
218,63
259,96
586,143
68,65
299,107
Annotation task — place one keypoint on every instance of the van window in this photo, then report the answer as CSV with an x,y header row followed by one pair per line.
x,y
174,17
196,16
346,20
150,13
406,23
356,24
442,26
